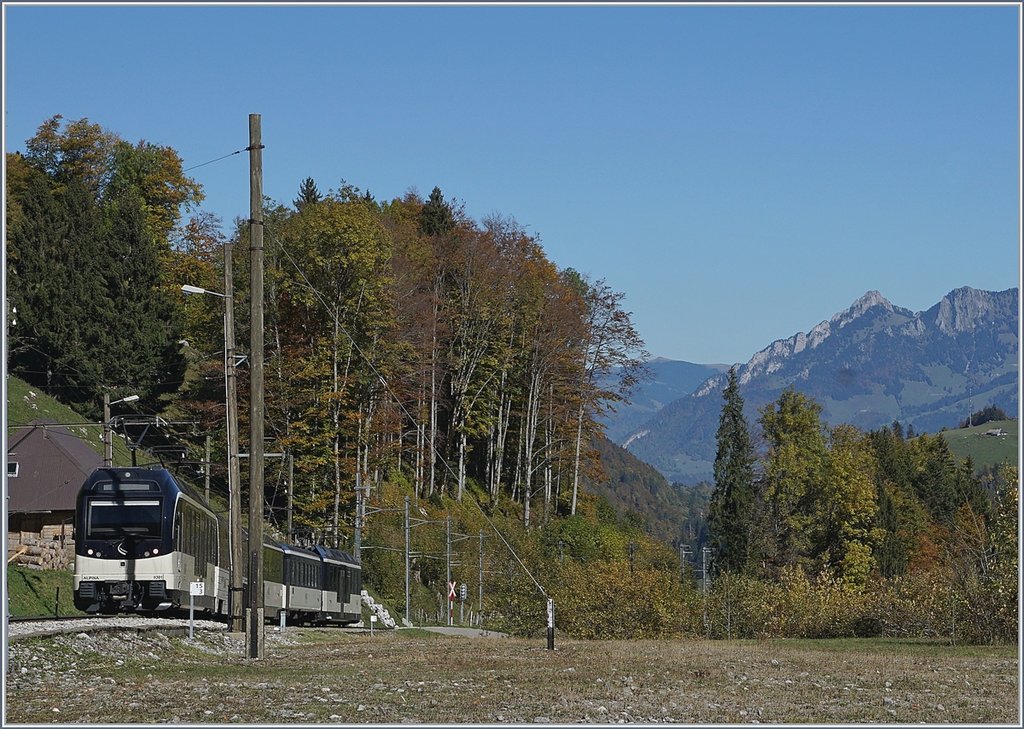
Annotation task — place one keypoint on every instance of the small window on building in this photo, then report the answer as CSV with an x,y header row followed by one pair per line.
x,y
12,469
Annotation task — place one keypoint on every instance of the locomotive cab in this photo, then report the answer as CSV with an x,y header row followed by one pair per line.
x,y
124,547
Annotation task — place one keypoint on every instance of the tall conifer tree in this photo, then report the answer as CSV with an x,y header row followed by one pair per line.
x,y
731,509
436,218
308,194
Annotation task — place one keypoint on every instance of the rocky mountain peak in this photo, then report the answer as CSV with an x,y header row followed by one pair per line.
x,y
859,307
962,310
772,358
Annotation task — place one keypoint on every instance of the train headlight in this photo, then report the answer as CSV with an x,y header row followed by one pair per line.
x,y
145,554
156,551
88,551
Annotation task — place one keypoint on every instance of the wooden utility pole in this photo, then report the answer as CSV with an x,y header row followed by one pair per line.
x,y
407,544
291,491
255,613
206,469
108,442
448,565
234,470
359,519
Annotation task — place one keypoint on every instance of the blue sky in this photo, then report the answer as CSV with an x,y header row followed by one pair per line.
x,y
740,173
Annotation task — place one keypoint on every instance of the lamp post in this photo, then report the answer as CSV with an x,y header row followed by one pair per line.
x,y
108,444
231,428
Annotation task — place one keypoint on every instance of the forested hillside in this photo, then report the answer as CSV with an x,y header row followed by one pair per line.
x,y
638,492
401,336
863,513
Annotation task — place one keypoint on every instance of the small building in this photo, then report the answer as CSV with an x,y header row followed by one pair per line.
x,y
995,432
46,466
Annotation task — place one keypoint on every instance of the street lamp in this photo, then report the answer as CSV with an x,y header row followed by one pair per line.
x,y
234,471
108,445
189,289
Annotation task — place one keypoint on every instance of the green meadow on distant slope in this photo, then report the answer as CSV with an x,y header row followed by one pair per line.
x,y
985,450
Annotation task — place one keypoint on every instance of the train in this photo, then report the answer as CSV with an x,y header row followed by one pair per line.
x,y
143,536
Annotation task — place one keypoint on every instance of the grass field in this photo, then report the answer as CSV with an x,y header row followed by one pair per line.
x,y
985,450
35,593
323,676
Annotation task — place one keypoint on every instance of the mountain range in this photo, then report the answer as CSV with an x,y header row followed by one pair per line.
x,y
869,365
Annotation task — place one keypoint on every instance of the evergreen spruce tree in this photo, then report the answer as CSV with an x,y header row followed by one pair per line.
x,y
37,277
143,355
308,194
730,512
436,218
88,248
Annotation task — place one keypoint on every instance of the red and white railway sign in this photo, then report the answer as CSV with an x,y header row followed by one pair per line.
x,y
451,592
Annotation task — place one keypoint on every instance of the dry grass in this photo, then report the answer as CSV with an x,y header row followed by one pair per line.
x,y
319,676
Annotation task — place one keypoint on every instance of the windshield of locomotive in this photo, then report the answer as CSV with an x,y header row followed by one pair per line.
x,y
119,518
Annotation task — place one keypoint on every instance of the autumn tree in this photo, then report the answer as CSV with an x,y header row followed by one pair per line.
x,y
336,313
1002,587
611,354
793,467
843,530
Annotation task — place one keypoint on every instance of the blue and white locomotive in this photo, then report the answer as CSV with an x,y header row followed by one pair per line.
x,y
143,536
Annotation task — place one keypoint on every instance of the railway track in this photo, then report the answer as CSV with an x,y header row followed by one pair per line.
x,y
34,627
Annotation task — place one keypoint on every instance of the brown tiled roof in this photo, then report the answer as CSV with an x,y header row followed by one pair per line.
x,y
52,465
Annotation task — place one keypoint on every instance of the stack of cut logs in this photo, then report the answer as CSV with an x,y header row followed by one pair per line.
x,y
39,551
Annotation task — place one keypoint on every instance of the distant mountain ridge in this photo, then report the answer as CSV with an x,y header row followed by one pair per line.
x,y
667,380
868,365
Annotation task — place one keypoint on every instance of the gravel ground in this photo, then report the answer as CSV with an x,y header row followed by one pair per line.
x,y
324,676
20,630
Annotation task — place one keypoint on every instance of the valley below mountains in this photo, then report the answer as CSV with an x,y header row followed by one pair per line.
x,y
868,366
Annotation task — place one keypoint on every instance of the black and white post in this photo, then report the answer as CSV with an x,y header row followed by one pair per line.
x,y
551,624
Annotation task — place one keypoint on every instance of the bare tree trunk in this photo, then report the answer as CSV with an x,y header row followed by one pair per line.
x,y
549,446
417,483
576,460
336,422
517,477
431,454
462,463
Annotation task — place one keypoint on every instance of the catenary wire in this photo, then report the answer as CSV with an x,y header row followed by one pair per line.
x,y
218,159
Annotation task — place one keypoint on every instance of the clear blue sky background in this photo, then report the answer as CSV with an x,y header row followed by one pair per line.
x,y
740,173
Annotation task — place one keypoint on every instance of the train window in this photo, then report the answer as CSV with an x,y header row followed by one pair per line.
x,y
123,486
274,566
108,519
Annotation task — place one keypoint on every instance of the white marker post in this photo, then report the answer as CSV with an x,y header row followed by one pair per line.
x,y
373,619
551,624
194,588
